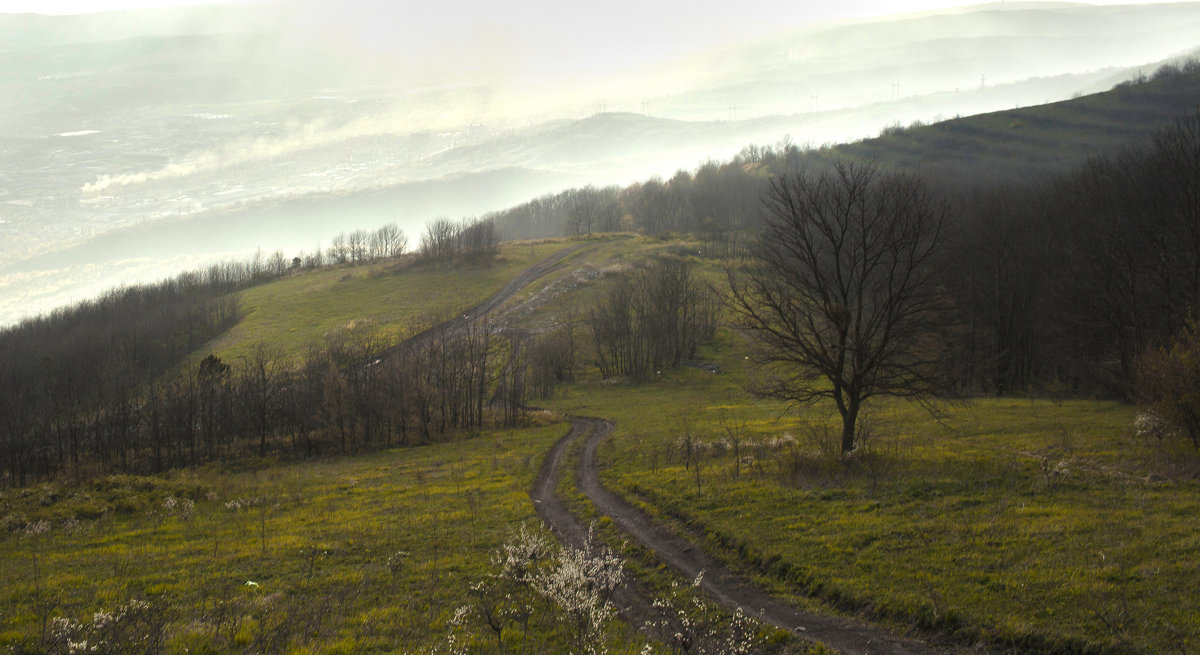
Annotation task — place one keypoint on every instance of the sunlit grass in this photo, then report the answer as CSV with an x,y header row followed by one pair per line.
x,y
388,299
375,551
1014,521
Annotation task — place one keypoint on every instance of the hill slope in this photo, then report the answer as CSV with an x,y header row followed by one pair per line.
x,y
1025,143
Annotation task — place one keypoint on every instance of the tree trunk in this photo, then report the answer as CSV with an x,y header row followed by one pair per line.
x,y
849,418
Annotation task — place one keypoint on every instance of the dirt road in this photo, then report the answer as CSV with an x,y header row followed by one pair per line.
x,y
724,585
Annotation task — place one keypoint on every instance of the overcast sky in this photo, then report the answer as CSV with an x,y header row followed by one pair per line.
x,y
786,10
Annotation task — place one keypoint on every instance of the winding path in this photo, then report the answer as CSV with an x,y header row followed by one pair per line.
x,y
726,586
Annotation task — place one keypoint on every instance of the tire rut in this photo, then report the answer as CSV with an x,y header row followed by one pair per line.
x,y
724,585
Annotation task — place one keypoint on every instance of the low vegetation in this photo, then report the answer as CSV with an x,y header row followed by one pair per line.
x,y
1167,388
348,555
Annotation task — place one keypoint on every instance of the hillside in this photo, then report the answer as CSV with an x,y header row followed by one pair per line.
x,y
386,301
1031,142
933,57
936,531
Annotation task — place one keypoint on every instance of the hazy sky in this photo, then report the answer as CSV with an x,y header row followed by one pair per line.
x,y
431,67
788,10
88,6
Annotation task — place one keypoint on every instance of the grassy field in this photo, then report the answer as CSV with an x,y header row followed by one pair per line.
x,y
392,299
1020,523
355,555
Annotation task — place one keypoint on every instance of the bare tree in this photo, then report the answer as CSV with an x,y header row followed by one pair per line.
x,y
339,253
389,241
438,242
357,243
260,386
841,290
277,264
652,319
590,209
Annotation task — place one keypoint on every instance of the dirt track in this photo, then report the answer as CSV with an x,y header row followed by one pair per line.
x,y
722,584
522,280
727,587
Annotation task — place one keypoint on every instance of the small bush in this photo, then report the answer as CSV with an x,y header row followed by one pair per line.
x,y
1167,387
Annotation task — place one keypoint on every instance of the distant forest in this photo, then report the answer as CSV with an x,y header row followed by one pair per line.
x,y
1057,284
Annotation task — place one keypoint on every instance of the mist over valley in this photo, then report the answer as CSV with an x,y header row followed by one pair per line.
x,y
138,143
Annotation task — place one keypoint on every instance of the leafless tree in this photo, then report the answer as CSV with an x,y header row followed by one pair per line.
x,y
388,242
357,243
438,240
842,291
339,252
652,319
260,385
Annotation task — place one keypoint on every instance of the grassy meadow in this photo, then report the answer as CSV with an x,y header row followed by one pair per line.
x,y
389,299
369,554
1020,523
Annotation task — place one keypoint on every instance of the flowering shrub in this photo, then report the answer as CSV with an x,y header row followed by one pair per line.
x,y
581,583
1149,425
539,590
690,625
132,628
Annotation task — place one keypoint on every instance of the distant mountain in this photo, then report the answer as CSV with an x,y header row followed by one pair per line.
x,y
621,147
1030,143
150,121
855,63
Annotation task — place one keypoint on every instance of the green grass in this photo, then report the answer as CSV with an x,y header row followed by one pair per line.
x,y
1016,522
316,544
387,299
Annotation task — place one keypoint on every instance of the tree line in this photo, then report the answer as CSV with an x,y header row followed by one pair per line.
x,y
652,319
471,239
717,202
345,395
1067,282
355,391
